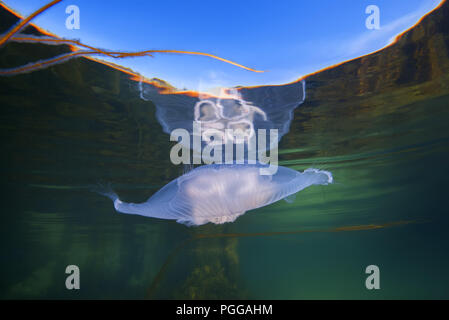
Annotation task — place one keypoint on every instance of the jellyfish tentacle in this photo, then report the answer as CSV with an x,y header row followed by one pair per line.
x,y
105,189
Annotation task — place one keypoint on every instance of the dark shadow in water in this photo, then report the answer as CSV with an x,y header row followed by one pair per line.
x,y
159,276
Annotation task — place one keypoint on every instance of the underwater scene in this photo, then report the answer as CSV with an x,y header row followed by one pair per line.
x,y
330,185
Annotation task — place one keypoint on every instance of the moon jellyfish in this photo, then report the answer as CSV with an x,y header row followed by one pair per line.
x,y
219,193
233,117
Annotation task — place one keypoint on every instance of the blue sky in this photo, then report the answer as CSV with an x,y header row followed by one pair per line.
x,y
286,38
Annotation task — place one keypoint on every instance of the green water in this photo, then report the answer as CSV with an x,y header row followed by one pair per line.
x,y
61,136
66,128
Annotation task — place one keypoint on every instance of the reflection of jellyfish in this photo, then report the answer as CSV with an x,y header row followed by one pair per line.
x,y
220,193
242,110
232,113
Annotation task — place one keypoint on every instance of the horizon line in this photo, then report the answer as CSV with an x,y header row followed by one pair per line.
x,y
169,89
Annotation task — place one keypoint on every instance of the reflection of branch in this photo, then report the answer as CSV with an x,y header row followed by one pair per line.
x,y
277,233
75,44
24,22
55,41
44,63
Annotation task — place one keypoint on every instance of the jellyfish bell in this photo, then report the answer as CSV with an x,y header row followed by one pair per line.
x,y
220,193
